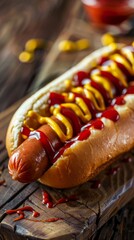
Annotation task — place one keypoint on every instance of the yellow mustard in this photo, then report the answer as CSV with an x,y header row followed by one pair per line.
x,y
120,59
70,46
26,57
103,81
129,55
107,39
77,104
115,71
33,44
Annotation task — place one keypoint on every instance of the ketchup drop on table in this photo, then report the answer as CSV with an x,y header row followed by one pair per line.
x,y
21,212
49,203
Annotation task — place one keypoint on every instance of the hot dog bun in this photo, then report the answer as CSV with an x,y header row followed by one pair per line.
x,y
83,159
38,101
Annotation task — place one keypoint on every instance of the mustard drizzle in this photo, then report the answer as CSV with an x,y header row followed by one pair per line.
x,y
77,104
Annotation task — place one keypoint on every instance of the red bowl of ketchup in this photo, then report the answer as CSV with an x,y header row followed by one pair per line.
x,y
108,12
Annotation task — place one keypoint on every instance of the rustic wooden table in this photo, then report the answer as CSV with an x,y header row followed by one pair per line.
x,y
88,217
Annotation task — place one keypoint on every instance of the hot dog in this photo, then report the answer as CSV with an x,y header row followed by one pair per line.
x,y
78,124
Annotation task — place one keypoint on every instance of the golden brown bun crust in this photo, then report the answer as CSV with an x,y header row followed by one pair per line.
x,y
85,159
38,101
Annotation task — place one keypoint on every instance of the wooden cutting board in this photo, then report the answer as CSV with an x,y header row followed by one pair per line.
x,y
96,201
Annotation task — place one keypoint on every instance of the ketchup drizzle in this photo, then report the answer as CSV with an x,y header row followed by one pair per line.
x,y
118,101
55,98
95,184
25,131
74,119
83,132
115,81
39,135
111,114
50,204
66,199
124,70
129,90
94,84
49,220
96,124
21,212
47,200
79,77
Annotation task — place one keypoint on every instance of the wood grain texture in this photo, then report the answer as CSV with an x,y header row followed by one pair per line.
x,y
19,22
94,207
81,218
121,226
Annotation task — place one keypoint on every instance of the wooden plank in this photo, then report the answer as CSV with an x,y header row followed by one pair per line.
x,y
94,206
6,234
38,19
19,194
10,189
81,218
121,226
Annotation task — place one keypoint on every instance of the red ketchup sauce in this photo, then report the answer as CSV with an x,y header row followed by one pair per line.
x,y
118,101
79,77
79,81
55,98
35,214
129,90
21,212
74,119
83,132
111,114
124,70
49,220
50,204
83,135
88,103
115,81
39,135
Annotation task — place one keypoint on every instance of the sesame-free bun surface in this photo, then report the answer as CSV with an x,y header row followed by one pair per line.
x,y
84,159
38,101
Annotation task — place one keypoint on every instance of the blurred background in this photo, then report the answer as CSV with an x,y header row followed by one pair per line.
x,y
51,22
